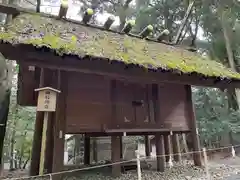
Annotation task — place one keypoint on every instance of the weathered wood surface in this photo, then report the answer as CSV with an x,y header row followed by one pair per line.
x,y
116,70
134,105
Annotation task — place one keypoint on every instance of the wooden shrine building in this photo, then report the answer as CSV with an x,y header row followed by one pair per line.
x,y
111,83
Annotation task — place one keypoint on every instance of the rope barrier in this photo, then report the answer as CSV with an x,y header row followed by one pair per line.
x,y
117,163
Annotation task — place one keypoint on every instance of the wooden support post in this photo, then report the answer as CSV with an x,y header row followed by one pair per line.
x,y
193,124
36,146
86,150
138,165
176,148
94,148
160,152
59,125
121,147
43,145
49,145
115,140
158,137
116,155
46,103
147,146
167,147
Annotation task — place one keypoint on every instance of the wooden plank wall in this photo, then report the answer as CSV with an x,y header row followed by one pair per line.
x,y
27,82
88,102
173,102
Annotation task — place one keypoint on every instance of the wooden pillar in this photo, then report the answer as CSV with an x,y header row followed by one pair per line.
x,y
115,140
190,111
59,125
147,146
121,147
167,147
116,155
94,148
160,152
50,77
176,148
36,146
86,150
158,137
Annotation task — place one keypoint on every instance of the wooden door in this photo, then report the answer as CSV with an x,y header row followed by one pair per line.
x,y
132,105
125,112
141,105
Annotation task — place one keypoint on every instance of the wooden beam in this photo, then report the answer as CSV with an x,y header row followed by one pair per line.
x,y
116,155
147,129
190,110
36,146
176,148
114,69
94,149
147,146
135,75
158,137
59,125
167,147
87,150
160,152
121,146
115,140
49,80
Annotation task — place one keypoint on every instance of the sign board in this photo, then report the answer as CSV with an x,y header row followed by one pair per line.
x,y
47,99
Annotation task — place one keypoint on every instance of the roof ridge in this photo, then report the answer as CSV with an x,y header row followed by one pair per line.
x,y
111,47
17,10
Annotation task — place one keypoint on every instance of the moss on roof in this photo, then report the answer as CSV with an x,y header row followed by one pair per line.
x,y
69,38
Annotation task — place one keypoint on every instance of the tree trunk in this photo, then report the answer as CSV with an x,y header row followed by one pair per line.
x,y
123,14
184,22
228,45
4,108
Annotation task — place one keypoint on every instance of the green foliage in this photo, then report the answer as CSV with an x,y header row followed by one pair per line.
x,y
19,132
215,119
162,14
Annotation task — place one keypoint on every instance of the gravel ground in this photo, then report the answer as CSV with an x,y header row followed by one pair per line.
x,y
227,169
187,172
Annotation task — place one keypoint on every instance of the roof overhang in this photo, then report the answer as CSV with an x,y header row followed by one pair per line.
x,y
46,58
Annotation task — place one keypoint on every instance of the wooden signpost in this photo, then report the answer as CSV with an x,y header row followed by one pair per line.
x,y
46,103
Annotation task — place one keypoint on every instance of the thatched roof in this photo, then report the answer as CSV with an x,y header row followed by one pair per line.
x,y
70,38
